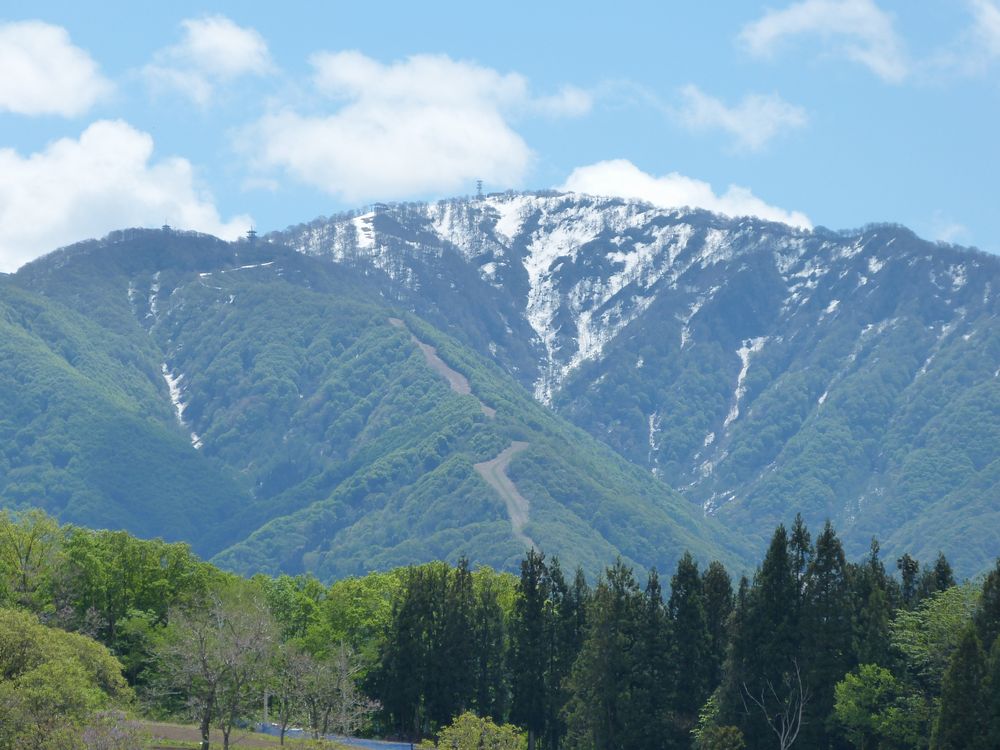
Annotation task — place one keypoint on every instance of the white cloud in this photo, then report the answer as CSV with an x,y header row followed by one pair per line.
x,y
424,124
986,17
857,29
753,122
944,228
980,45
975,49
621,178
79,188
213,50
43,73
570,101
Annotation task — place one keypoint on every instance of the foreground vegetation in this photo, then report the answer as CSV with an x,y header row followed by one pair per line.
x,y
813,652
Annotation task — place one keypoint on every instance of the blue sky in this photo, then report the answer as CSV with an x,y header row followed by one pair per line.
x,y
816,112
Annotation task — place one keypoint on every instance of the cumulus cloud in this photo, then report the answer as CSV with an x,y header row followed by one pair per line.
x,y
44,73
212,50
424,124
753,122
620,177
79,188
856,29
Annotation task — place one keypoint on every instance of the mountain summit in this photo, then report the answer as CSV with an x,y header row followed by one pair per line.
x,y
761,369
594,377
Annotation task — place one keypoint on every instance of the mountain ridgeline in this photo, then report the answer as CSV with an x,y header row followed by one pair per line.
x,y
594,377
273,410
760,369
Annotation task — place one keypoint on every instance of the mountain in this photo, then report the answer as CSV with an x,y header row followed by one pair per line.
x,y
281,413
86,434
472,376
760,369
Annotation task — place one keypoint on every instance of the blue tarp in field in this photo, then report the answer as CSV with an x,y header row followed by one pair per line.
x,y
275,730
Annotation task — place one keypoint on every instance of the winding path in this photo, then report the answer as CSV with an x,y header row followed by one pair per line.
x,y
494,473
458,382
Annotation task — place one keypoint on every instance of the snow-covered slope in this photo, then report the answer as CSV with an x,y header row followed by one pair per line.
x,y
760,368
576,269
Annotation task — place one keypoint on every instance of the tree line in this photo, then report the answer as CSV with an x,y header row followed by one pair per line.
x,y
810,651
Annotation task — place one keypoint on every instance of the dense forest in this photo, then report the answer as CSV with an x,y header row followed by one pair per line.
x,y
813,651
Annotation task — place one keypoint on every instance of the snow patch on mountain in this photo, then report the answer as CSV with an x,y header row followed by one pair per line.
x,y
154,297
364,231
177,399
512,210
745,352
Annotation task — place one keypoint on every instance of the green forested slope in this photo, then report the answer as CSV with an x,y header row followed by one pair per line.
x,y
759,369
86,431
326,441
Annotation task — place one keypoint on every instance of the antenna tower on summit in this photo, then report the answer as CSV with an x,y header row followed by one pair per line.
x,y
479,189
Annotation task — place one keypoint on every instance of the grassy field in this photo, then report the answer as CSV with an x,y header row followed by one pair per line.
x,y
166,736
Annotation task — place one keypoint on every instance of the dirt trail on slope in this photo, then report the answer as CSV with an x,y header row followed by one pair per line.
x,y
494,473
458,382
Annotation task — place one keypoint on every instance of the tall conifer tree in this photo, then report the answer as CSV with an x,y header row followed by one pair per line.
x,y
719,603
529,647
652,694
962,720
765,639
987,617
601,679
991,695
692,659
827,626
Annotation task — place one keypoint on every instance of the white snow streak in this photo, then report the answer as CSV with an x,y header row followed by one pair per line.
x,y
176,398
749,348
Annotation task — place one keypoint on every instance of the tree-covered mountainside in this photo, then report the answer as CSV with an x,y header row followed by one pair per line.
x,y
86,430
398,386
277,412
760,369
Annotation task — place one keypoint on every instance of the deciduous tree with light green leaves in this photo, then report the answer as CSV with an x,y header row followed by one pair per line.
x,y
877,711
51,683
470,732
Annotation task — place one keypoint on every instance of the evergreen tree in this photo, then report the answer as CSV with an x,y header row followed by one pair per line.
x,y
987,616
692,659
565,624
529,647
648,710
870,586
439,626
909,570
397,680
719,602
991,696
765,640
826,623
938,578
800,545
454,659
962,719
601,678
489,653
